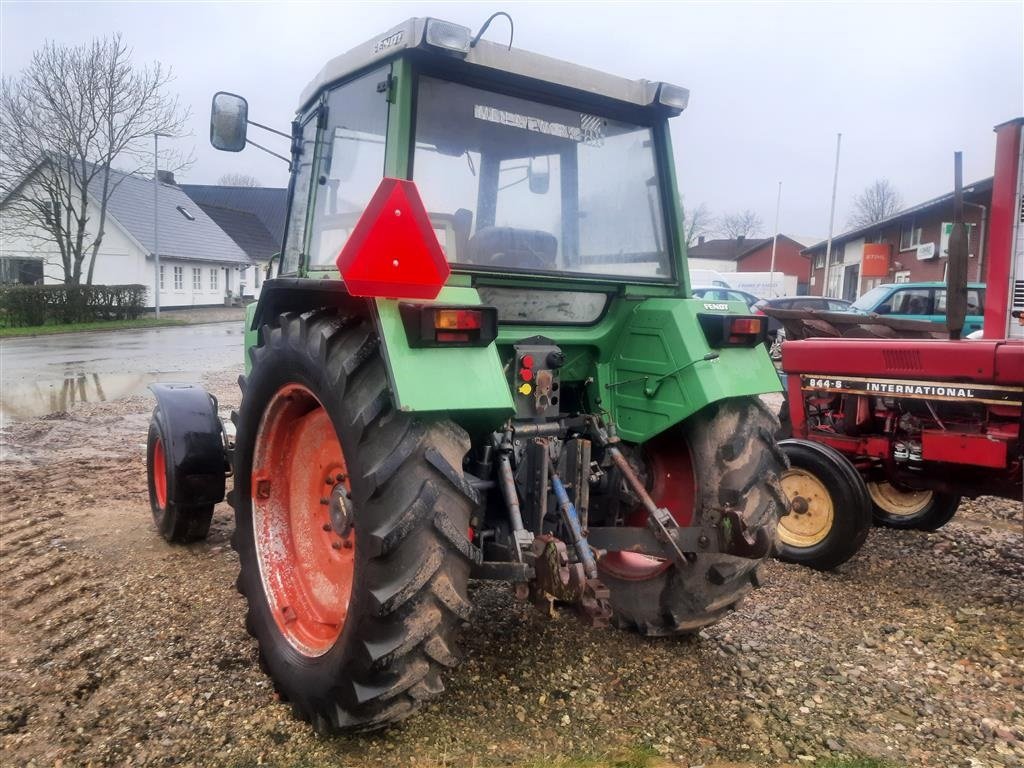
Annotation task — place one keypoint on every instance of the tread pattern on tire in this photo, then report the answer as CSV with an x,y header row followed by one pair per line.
x,y
737,462
410,593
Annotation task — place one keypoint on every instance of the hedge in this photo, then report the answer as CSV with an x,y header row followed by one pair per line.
x,y
40,304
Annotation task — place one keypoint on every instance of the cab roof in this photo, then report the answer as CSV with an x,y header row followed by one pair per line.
x,y
412,34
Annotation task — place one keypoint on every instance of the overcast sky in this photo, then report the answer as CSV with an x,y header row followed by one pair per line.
x,y
770,83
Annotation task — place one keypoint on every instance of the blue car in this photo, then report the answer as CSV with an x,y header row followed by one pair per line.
x,y
922,301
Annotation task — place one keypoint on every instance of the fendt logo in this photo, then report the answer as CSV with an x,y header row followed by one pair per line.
x,y
388,42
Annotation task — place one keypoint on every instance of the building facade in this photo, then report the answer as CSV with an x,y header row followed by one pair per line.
x,y
908,247
789,259
200,265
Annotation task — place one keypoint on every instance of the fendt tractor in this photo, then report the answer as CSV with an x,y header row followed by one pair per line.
x,y
896,429
479,358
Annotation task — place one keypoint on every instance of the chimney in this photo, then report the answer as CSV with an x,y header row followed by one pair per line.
x,y
700,240
166,177
740,239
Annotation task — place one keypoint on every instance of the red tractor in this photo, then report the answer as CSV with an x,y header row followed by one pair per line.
x,y
895,429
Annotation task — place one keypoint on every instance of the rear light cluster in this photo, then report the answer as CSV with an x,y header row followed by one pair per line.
x,y
428,325
733,330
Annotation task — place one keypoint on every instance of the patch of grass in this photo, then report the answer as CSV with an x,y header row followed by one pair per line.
x,y
635,757
100,325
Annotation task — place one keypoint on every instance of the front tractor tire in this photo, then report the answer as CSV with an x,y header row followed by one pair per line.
x,y
350,526
896,507
830,510
176,521
723,456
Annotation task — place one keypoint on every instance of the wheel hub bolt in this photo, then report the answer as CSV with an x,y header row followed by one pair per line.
x,y
799,505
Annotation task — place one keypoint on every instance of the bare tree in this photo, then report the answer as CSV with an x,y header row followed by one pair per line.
x,y
878,201
696,222
64,121
238,180
740,224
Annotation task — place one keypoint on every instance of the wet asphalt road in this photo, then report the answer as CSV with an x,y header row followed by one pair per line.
x,y
42,374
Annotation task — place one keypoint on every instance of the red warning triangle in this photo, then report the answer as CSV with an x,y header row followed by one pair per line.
x,y
393,251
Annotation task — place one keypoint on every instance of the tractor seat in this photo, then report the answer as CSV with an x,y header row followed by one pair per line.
x,y
511,247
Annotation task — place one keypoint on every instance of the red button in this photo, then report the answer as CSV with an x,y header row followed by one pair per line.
x,y
527,361
526,374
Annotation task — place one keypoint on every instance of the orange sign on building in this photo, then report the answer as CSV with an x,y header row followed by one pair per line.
x,y
876,260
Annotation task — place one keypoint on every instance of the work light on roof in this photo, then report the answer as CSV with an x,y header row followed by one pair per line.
x,y
673,96
451,37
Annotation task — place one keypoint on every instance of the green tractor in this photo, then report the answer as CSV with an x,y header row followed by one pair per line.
x,y
479,359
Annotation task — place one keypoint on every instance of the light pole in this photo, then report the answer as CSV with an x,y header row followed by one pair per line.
x,y
156,220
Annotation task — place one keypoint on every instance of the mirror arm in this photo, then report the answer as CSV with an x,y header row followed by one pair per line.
x,y
269,152
268,128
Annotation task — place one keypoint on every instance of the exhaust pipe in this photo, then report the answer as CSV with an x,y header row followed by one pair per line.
x,y
956,267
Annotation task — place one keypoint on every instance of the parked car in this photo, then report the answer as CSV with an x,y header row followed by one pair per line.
x,y
922,301
820,303
717,293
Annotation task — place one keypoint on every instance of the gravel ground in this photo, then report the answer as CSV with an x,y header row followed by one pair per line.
x,y
116,649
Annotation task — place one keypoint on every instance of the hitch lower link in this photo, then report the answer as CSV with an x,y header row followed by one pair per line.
x,y
728,536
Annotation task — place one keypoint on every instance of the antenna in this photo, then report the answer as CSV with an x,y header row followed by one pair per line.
x,y
486,24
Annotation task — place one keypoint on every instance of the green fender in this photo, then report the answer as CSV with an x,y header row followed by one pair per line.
x,y
455,380
656,376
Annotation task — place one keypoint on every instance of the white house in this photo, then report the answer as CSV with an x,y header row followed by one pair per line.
x,y
200,265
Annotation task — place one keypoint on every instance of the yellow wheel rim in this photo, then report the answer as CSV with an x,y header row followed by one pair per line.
x,y
899,503
812,512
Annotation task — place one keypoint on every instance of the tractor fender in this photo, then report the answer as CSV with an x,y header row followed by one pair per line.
x,y
460,381
195,454
659,373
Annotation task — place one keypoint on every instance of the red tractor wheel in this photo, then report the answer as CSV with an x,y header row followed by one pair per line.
x,y
723,455
349,527
300,480
178,521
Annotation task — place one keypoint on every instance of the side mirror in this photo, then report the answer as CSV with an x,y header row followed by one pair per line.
x,y
539,180
229,116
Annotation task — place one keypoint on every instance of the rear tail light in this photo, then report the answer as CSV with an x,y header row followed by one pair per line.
x,y
733,330
428,325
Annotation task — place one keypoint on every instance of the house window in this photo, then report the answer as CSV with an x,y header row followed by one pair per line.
x,y
179,278
902,277
838,252
163,278
819,260
910,235
197,279
213,278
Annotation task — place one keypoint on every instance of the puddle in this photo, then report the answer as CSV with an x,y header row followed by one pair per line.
x,y
27,400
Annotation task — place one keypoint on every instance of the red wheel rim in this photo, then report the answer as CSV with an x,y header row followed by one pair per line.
x,y
673,486
306,568
160,474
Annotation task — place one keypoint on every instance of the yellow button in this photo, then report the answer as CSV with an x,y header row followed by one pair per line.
x,y
525,389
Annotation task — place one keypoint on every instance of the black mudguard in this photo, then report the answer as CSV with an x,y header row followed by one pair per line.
x,y
197,461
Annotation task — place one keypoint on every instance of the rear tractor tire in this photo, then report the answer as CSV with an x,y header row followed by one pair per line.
x,y
895,507
177,522
724,455
830,510
350,525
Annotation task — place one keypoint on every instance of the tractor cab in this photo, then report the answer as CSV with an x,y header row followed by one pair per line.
x,y
528,166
